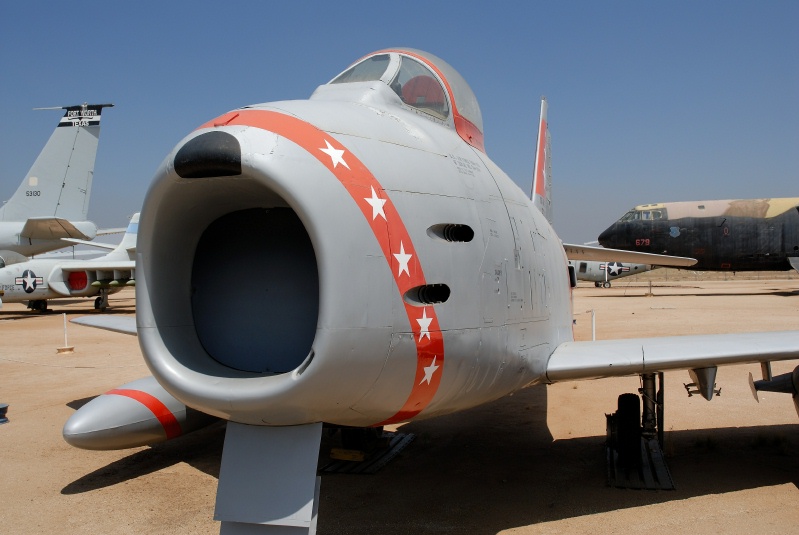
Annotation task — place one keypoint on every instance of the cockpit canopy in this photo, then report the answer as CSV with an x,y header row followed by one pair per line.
x,y
637,214
424,83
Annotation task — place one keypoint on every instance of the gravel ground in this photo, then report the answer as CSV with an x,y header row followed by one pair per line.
x,y
528,463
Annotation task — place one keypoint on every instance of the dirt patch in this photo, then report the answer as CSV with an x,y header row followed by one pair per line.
x,y
528,463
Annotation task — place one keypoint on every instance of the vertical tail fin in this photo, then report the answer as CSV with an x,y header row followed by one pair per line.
x,y
542,175
59,182
127,247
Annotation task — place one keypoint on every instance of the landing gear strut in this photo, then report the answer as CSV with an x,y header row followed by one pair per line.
x,y
38,305
363,450
101,303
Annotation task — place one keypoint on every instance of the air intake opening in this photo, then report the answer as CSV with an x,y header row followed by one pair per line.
x,y
429,294
255,290
452,232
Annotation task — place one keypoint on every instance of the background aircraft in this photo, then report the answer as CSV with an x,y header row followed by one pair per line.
x,y
52,201
602,273
40,279
734,235
398,274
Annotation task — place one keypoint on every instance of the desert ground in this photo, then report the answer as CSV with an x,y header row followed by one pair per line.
x,y
530,463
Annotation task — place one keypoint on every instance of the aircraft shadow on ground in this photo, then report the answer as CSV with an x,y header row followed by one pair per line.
x,y
496,467
88,309
78,403
201,449
657,292
15,315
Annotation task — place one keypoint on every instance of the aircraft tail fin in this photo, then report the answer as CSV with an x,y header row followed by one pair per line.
x,y
126,250
59,182
542,175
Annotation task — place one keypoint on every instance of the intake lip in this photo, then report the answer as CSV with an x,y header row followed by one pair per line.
x,y
208,155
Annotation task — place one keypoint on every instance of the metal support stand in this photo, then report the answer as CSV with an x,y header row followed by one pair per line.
x,y
643,467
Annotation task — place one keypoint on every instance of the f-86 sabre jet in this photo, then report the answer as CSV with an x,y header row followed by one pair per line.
x,y
40,279
50,205
356,259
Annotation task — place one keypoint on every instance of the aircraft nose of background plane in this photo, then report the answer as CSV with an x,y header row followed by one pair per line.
x,y
607,237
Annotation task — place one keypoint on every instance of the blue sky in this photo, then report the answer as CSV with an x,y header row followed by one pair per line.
x,y
648,101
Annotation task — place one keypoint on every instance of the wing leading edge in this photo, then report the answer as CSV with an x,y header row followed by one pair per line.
x,y
603,254
117,324
613,358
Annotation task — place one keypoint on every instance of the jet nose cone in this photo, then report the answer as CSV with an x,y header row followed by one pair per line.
x,y
608,237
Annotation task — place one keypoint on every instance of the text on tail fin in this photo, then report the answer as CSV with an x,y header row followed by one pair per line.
x,y
59,182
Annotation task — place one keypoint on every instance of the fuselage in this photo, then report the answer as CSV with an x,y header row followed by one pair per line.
x,y
398,272
593,271
42,279
734,235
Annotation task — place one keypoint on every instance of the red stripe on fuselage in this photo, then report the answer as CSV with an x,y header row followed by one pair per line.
x,y
168,421
390,233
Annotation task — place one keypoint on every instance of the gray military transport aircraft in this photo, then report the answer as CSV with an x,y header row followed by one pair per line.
x,y
397,274
731,235
50,205
39,279
602,273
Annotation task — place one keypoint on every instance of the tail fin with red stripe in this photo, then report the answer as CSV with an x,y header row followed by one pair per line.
x,y
542,175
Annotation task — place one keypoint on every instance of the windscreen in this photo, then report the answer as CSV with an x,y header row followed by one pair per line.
x,y
368,70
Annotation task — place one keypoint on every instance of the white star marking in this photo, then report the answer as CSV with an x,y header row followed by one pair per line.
x,y
429,371
377,205
403,260
615,268
336,155
29,280
424,325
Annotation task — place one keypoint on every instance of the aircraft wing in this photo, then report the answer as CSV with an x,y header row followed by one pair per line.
x,y
613,358
74,241
602,254
99,265
50,228
117,324
105,231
